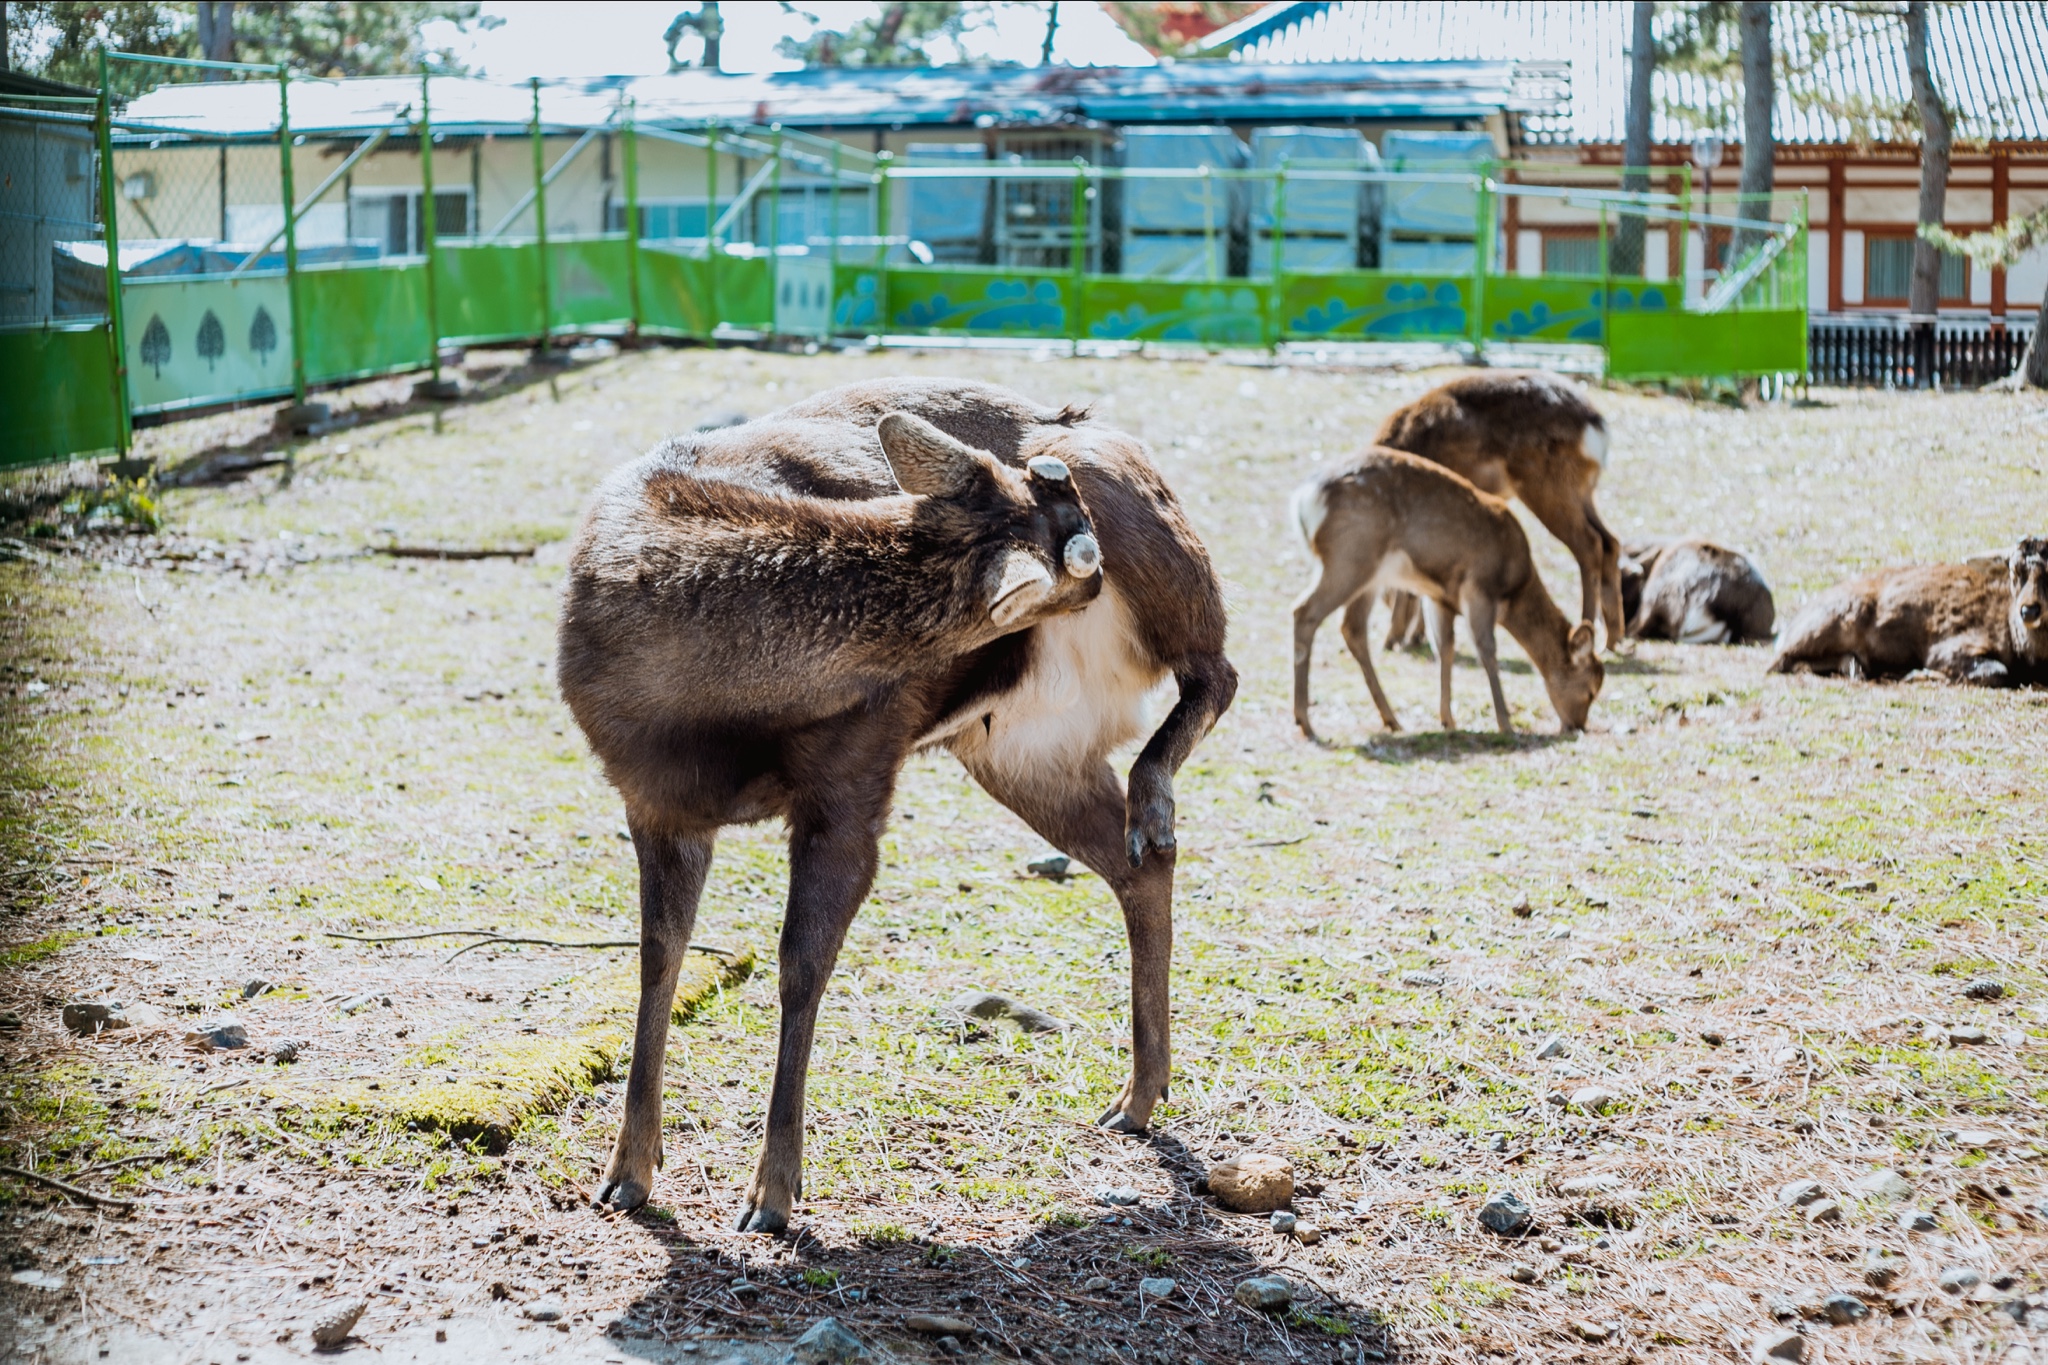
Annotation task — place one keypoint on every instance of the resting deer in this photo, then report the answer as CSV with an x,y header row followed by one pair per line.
x,y
1389,520
1695,592
766,621
1978,622
1527,435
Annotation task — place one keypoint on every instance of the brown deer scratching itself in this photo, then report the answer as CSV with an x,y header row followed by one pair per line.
x,y
1979,622
1389,520
1695,592
1527,435
766,621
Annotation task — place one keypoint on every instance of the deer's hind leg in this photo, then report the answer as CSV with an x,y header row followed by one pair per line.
x,y
1355,627
1443,634
1570,515
1335,585
1081,813
673,865
1479,614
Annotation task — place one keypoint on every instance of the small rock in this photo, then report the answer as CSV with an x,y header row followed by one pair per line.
x,y
1843,1309
1553,1046
1550,1244
1957,1278
1917,1220
744,1288
1051,866
1117,1196
332,1327
1804,1304
1253,1183
1883,1183
936,1325
1095,1284
1523,1273
1880,1268
2010,1038
1788,1056
1559,931
10,1021
1967,1035
1506,1215
1595,1332
991,1006
285,1050
1797,1194
356,1004
1976,1137
1422,980
1155,1287
826,1343
543,1310
1308,1234
1592,1099
1713,1037
1985,988
1781,1346
1265,1293
1283,1221
1824,1211
254,987
218,1034
1521,909
87,1017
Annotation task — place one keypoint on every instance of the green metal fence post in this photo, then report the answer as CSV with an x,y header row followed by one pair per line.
x,y
291,234
832,245
1606,279
1482,250
117,336
1209,269
883,189
540,218
1274,293
429,229
711,310
629,149
1077,251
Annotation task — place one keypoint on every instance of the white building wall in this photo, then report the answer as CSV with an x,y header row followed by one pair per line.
x,y
1852,267
1818,247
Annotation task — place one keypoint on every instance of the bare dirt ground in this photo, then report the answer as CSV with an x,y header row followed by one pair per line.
x,y
1754,908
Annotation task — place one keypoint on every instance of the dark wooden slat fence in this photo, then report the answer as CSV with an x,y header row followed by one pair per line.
x,y
1953,357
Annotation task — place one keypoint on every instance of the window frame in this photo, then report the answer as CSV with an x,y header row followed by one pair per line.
x,y
1871,237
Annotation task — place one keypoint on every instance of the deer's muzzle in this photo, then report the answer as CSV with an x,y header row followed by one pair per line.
x,y
1083,555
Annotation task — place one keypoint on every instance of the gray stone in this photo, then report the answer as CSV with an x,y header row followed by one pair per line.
x,y
939,1325
1956,1279
1843,1309
1967,1035
1422,980
1051,866
1095,1284
1553,1046
333,1325
217,1034
1797,1194
1521,908
1883,1183
1265,1293
1880,1268
1155,1287
1118,1196
1523,1273
1781,1346
1506,1215
1595,1332
544,1310
1308,1234
826,1343
1917,1220
285,1050
1283,1221
87,1017
1824,1211
1592,1099
1985,988
254,987
991,1006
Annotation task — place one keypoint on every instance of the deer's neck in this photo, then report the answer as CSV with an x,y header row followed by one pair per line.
x,y
1538,627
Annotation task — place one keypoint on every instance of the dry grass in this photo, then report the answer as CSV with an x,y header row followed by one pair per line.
x,y
249,733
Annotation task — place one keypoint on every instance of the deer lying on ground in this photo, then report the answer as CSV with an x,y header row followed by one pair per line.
x,y
768,620
1527,435
1979,622
1389,520
1695,592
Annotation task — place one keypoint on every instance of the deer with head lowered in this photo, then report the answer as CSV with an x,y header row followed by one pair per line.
x,y
768,620
1527,435
1390,521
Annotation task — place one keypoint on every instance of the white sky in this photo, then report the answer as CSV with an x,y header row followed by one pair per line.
x,y
623,37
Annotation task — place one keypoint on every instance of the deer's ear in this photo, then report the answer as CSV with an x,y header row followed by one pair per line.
x,y
1021,583
925,460
1581,644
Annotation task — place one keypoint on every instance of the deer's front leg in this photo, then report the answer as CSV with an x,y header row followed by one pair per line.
x,y
831,866
1207,685
672,870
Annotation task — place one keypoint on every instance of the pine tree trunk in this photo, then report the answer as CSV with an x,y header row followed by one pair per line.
x,y
1759,96
1936,141
2034,364
1627,256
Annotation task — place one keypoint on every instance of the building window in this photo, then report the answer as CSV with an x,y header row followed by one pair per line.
x,y
1574,254
1888,272
391,218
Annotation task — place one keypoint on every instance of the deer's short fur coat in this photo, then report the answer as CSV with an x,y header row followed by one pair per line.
x,y
759,623
1695,592
1979,622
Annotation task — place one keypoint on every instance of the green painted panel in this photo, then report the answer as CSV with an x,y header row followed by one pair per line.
x,y
1207,313
1674,344
1565,307
746,293
489,292
673,299
1372,305
57,391
589,284
363,319
195,340
856,300
1016,303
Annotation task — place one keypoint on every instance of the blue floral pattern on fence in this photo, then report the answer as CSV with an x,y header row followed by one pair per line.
x,y
1206,316
1576,324
1005,306
860,309
1405,308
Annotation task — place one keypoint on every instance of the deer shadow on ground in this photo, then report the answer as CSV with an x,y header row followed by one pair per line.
x,y
1067,1290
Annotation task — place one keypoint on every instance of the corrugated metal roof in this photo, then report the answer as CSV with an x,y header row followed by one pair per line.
x,y
1842,73
1191,92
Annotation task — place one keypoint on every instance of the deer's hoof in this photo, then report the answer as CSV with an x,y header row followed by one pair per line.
x,y
1117,1121
761,1218
623,1193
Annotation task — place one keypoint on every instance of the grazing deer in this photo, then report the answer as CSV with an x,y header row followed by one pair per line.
x,y
1389,520
1527,435
1979,622
767,621
1695,592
